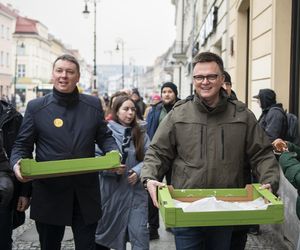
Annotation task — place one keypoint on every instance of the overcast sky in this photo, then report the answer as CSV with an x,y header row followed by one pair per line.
x,y
146,26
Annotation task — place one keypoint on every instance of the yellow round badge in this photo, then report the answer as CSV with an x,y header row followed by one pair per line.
x,y
58,122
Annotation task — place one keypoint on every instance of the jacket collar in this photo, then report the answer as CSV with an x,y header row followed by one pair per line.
x,y
117,129
221,105
66,99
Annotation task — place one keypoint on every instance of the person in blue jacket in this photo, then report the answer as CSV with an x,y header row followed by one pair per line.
x,y
64,125
124,200
169,96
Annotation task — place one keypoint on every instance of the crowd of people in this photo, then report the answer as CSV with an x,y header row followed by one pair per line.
x,y
207,140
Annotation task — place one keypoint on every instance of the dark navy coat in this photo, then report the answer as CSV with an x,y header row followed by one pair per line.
x,y
153,119
60,131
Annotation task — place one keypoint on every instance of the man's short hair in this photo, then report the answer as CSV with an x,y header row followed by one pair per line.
x,y
208,57
67,57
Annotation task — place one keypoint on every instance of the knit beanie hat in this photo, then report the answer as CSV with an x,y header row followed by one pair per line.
x,y
155,97
227,77
171,86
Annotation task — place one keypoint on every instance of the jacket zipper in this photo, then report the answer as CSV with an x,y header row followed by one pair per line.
x,y
222,141
201,142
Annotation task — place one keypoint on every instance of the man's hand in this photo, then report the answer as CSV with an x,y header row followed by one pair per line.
x,y
132,177
23,203
18,174
280,145
266,186
152,187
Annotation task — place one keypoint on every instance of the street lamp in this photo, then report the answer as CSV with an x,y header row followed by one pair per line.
x,y
121,41
86,13
18,48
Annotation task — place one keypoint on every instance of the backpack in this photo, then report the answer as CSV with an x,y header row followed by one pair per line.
x,y
292,128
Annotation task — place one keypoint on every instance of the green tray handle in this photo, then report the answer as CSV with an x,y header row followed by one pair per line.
x,y
165,198
265,193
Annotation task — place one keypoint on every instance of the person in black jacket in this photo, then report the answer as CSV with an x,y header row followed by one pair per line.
x,y
272,119
14,197
139,103
227,85
64,125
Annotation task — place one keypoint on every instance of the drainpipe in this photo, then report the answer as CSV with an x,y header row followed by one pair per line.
x,y
181,45
193,43
227,35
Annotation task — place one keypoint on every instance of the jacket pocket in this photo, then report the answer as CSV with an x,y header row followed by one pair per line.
x,y
230,141
190,142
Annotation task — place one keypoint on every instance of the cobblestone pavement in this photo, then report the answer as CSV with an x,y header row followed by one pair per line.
x,y
25,237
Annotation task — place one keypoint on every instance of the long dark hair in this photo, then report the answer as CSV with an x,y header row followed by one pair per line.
x,y
138,137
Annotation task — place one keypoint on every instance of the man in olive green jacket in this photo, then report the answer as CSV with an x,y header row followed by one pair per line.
x,y
206,140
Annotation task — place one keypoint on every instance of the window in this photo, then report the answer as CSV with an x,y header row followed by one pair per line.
x,y
21,70
7,59
1,58
21,49
2,31
7,33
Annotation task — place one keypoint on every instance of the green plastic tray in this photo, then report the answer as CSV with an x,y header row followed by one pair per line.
x,y
175,217
32,169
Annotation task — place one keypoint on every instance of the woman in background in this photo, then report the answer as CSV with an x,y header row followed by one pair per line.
x,y
124,200
108,112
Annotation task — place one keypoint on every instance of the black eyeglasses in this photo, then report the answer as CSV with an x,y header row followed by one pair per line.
x,y
210,78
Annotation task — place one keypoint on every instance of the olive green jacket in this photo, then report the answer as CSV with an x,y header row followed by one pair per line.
x,y
208,149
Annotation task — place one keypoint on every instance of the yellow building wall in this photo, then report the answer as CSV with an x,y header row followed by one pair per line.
x,y
282,46
269,48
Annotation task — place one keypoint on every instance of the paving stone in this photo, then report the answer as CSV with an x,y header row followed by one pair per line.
x,y
26,237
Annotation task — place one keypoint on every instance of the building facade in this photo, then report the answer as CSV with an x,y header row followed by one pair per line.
x,y
7,26
258,41
27,52
33,57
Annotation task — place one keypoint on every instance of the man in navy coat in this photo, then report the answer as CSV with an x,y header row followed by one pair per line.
x,y
64,125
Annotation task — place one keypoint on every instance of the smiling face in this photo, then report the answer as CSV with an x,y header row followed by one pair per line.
x,y
126,113
208,80
65,76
